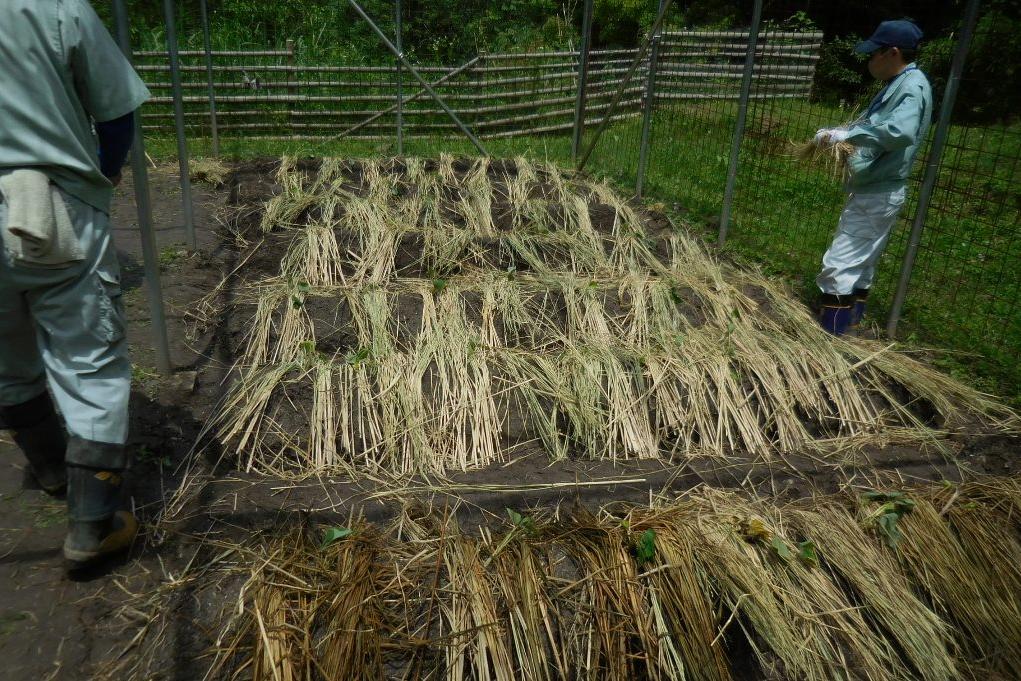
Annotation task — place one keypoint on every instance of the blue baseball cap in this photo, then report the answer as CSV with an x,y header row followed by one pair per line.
x,y
898,33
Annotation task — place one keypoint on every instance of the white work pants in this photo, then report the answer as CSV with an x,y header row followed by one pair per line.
x,y
65,327
862,234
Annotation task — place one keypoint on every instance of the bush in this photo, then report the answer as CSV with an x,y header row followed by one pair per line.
x,y
840,74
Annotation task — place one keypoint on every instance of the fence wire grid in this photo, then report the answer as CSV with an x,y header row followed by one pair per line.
x,y
679,110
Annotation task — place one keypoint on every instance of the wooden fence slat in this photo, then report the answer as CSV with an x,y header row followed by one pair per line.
x,y
503,95
807,35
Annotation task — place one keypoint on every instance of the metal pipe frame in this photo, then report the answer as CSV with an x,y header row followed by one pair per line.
x,y
648,107
182,140
644,50
939,141
583,59
428,88
400,81
140,180
376,116
742,116
214,130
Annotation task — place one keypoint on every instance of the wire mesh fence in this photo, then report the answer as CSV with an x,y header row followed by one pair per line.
x,y
967,276
686,92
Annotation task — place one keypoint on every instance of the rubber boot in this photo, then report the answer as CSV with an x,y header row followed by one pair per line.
x,y
835,313
97,528
38,432
859,299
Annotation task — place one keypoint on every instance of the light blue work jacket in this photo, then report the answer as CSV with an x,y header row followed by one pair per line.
x,y
888,136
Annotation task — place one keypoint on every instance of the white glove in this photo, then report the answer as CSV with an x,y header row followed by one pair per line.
x,y
826,137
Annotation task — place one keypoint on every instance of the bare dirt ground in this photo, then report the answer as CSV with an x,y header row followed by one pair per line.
x,y
54,628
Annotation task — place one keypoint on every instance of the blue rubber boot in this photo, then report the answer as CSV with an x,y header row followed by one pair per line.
x,y
835,313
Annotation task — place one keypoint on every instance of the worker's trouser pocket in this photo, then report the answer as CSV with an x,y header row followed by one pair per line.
x,y
110,304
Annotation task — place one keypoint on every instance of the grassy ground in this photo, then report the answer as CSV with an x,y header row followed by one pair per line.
x,y
963,295
967,276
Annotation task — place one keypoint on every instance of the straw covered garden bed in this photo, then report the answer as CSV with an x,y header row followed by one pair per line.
x,y
919,583
487,420
403,317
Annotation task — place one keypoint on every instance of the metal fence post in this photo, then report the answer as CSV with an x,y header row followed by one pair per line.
x,y
182,140
583,56
292,86
625,82
400,84
213,128
939,140
649,105
418,76
140,179
742,115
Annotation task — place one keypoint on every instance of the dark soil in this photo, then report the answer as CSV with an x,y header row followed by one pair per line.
x,y
54,628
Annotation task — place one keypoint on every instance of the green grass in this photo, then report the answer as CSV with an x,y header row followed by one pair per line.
x,y
963,295
45,513
11,620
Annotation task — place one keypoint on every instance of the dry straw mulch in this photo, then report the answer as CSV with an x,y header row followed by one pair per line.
x,y
412,317
915,584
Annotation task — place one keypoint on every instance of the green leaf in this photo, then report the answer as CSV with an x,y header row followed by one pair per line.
x,y
304,287
439,285
883,497
887,524
904,506
357,357
522,522
333,534
307,347
645,549
893,507
807,553
780,547
297,302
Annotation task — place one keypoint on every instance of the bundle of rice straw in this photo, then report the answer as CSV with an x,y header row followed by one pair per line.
x,y
210,171
833,157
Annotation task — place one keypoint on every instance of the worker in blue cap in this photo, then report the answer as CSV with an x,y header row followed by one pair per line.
x,y
67,102
886,139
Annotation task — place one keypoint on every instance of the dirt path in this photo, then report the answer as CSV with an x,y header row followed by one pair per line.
x,y
52,627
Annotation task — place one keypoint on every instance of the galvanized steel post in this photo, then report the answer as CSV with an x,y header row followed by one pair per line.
x,y
140,180
400,83
583,55
649,105
182,140
742,115
939,141
623,87
418,76
213,127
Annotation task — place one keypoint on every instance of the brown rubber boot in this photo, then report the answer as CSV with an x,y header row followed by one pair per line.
x,y
89,543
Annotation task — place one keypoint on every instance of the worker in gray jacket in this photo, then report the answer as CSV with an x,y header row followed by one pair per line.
x,y
886,140
67,100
